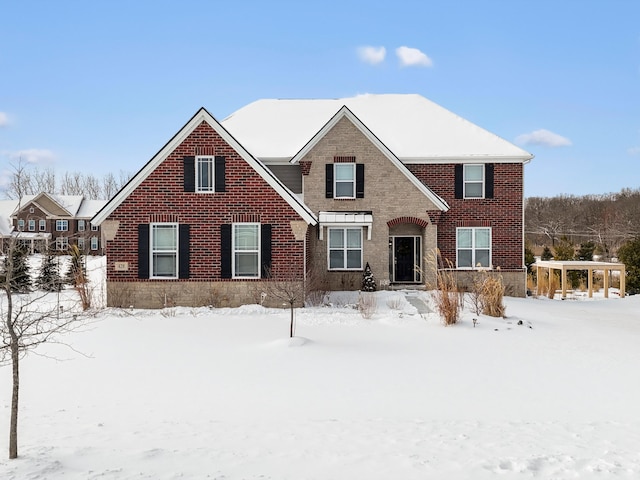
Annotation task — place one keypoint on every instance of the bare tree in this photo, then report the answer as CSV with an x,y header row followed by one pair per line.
x,y
287,286
28,320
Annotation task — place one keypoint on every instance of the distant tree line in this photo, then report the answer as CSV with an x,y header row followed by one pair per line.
x,y
27,181
608,221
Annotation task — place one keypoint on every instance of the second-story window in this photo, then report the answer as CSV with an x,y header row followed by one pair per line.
x,y
62,225
344,180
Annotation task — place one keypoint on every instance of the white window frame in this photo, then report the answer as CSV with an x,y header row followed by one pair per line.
x,y
344,248
62,244
31,225
211,162
235,250
474,248
467,182
94,228
20,225
42,225
163,251
62,225
81,244
81,225
94,243
338,166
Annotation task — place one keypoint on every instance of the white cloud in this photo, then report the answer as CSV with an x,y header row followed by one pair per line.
x,y
32,155
633,151
412,57
544,138
372,55
4,119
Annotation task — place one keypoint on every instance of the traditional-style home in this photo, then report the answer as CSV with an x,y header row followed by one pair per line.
x,y
46,221
293,186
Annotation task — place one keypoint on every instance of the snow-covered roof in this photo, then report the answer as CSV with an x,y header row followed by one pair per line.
x,y
414,128
6,210
89,208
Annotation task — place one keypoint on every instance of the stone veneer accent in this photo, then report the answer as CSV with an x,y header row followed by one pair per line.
x,y
388,194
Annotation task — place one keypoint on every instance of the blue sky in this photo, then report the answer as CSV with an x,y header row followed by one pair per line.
x,y
101,86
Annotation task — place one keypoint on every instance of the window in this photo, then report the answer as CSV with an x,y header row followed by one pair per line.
x,y
205,174
43,225
345,248
94,228
81,244
246,250
164,250
20,224
344,180
62,244
32,225
94,243
474,181
81,225
473,247
62,225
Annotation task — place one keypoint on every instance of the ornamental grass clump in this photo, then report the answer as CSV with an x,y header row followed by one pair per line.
x,y
491,296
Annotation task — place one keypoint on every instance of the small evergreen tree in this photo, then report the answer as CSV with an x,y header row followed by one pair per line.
x,y
529,258
566,250
49,278
20,275
546,254
629,254
76,266
368,281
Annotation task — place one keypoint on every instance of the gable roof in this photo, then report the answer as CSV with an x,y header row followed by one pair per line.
x,y
54,205
414,128
203,115
344,112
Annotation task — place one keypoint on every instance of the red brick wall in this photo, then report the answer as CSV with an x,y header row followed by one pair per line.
x,y
503,212
162,193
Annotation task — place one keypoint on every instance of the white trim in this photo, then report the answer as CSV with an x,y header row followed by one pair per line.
x,y
466,159
152,251
336,166
65,224
233,250
203,116
345,112
345,248
345,219
482,182
474,248
211,160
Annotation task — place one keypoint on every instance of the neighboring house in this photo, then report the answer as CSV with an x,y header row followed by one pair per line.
x,y
289,186
54,222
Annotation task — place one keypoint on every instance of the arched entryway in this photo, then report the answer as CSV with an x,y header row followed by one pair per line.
x,y
406,240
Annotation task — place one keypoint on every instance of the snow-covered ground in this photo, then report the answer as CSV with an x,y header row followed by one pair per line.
x,y
224,394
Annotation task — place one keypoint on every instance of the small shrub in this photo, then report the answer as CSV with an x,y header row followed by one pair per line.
x,y
396,302
492,295
367,304
447,297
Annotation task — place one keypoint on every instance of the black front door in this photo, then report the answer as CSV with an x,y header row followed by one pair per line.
x,y
404,259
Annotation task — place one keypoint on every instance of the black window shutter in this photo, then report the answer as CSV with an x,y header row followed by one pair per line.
x,y
184,258
225,251
329,180
189,167
265,250
220,174
488,180
143,250
459,181
359,180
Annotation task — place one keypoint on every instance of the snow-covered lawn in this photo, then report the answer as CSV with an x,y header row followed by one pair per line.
x,y
224,394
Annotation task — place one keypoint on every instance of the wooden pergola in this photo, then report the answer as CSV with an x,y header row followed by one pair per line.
x,y
565,265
